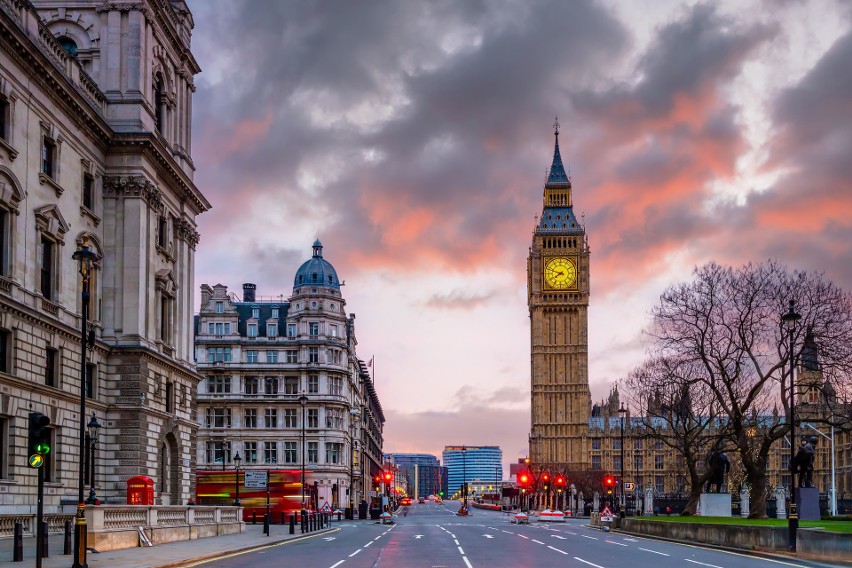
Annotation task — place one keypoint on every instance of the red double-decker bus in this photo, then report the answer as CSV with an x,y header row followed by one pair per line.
x,y
285,492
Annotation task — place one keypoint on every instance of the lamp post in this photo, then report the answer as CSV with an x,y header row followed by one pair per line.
x,y
464,475
353,414
237,460
622,502
790,319
94,427
303,400
86,259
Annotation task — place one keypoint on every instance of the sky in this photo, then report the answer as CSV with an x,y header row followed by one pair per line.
x,y
413,138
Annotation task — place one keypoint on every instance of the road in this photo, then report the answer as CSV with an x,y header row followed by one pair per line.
x,y
432,536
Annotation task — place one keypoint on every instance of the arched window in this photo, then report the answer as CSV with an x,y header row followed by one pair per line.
x,y
158,102
69,45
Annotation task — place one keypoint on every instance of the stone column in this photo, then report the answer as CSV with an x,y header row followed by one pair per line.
x,y
649,501
744,500
780,504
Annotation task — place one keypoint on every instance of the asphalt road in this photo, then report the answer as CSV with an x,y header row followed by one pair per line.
x,y
432,536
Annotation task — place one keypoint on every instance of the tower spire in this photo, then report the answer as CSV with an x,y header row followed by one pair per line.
x,y
557,170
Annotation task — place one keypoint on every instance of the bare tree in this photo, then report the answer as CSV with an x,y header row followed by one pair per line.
x,y
678,409
727,322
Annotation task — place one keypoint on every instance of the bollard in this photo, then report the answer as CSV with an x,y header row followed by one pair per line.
x,y
66,549
254,517
266,524
313,522
338,515
302,522
44,547
293,523
18,549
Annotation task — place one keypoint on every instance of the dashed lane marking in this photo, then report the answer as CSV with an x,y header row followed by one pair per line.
x,y
338,564
460,550
618,543
587,562
466,561
587,536
354,553
537,541
557,550
654,551
702,563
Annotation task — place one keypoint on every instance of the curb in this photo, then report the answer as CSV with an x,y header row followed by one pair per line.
x,y
209,557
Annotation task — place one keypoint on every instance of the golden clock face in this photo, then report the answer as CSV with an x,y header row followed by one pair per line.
x,y
560,273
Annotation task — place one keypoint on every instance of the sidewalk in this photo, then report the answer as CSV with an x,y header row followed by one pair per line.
x,y
171,555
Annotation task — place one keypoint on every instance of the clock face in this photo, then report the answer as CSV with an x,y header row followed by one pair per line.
x,y
560,273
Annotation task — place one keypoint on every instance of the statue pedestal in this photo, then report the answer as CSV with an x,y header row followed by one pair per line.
x,y
715,505
807,501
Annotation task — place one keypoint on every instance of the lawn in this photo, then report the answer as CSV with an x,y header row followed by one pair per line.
x,y
834,526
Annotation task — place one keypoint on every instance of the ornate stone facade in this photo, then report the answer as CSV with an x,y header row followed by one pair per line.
x,y
94,145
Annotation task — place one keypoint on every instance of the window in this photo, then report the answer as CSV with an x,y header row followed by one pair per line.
x,y
616,444
251,356
270,385
220,329
332,330
48,157
596,443
219,385
335,386
616,463
271,330
335,356
220,307
255,312
313,452
637,463
313,354
250,452
637,444
91,376
658,445
47,269
291,330
88,192
313,418
5,351
270,452
218,451
227,330
252,330
162,231
158,103
290,452
659,484
290,418
4,242
274,313
218,417
785,463
272,356
211,329
170,397
292,356
219,354
51,360
334,418
333,452
596,463
659,462
4,118
166,319
291,385
313,328
4,448
313,384
250,418
270,420
251,386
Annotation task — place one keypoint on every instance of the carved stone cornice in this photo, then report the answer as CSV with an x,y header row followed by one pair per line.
x,y
135,187
124,7
186,232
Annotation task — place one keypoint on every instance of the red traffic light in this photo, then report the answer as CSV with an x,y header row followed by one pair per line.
x,y
609,481
545,477
388,476
560,480
377,479
524,478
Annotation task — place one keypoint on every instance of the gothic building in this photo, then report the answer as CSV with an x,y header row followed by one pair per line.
x,y
261,359
95,116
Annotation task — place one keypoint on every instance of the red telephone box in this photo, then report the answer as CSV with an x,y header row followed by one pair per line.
x,y
140,490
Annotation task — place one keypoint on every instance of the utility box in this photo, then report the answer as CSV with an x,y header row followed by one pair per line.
x,y
140,490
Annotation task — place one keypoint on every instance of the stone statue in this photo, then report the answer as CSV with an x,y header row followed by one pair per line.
x,y
719,466
803,462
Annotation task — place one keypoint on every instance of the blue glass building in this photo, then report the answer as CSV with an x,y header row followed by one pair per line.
x,y
469,463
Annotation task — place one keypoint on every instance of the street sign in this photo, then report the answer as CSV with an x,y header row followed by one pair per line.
x,y
606,515
255,479
629,486
36,460
325,508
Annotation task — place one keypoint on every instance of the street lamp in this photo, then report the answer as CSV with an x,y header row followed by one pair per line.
x,y
94,427
790,319
303,400
622,502
237,460
464,475
86,259
353,414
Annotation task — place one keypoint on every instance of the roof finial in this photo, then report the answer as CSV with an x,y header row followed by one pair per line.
x,y
556,126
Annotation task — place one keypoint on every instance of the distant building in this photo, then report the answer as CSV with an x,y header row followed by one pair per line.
x,y
423,473
259,357
469,463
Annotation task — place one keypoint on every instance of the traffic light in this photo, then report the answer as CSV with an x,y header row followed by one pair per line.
x,y
610,483
545,479
524,479
560,483
377,482
39,434
388,476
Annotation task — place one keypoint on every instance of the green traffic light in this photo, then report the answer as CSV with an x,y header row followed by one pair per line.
x,y
42,449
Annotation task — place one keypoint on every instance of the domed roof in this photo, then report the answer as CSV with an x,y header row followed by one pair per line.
x,y
317,271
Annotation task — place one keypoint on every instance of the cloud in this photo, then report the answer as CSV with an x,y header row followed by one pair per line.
x,y
459,299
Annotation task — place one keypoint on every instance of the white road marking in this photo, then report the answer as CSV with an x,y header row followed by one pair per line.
x,y
507,532
654,551
559,537
460,550
702,563
329,538
618,543
354,553
417,536
466,561
368,544
557,550
456,542
338,564
537,541
631,539
587,536
569,532
587,562
522,536
487,536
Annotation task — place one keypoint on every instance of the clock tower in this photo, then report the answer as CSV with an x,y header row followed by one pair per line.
x,y
558,298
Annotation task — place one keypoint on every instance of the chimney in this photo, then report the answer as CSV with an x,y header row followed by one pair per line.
x,y
206,294
248,292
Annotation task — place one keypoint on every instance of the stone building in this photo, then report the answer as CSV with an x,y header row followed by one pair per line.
x,y
259,356
95,112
